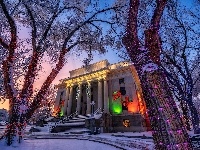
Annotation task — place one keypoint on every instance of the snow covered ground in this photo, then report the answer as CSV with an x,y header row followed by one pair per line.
x,y
60,144
72,139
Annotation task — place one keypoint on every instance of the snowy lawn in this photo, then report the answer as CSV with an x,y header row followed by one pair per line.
x,y
72,139
65,140
59,144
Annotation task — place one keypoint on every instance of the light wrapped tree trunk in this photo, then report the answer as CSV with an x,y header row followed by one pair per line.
x,y
168,130
12,127
167,127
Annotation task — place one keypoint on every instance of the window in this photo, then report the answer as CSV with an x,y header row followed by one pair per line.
x,y
61,95
122,90
121,80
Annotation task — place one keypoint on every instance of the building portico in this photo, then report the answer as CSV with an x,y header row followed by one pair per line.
x,y
83,86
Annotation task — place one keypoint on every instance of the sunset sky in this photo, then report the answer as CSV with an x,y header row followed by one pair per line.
x,y
73,63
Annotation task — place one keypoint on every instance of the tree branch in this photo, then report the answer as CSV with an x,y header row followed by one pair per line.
x,y
30,76
37,100
158,13
95,26
84,23
33,25
178,67
3,44
194,66
8,63
197,79
98,20
172,80
15,7
130,39
32,68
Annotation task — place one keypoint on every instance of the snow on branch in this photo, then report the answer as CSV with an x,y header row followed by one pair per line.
x,y
8,63
33,25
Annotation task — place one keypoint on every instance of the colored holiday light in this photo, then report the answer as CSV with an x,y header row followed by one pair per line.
x,y
117,108
146,60
132,107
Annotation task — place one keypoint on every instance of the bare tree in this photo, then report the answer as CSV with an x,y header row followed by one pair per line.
x,y
56,28
180,55
168,129
196,101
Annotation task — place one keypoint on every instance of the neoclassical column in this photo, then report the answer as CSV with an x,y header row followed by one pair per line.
x,y
110,94
88,93
106,110
78,106
57,100
66,98
100,105
69,106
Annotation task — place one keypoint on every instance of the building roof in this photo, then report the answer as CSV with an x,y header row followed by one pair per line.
x,y
95,71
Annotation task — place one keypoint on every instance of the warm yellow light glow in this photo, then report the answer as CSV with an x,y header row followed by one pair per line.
x,y
126,123
141,104
87,77
4,105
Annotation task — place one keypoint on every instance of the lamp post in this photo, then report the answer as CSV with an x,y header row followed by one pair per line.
x,y
92,119
93,103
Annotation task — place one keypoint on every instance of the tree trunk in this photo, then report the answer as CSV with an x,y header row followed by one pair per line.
x,y
12,133
17,122
194,114
184,108
168,132
167,127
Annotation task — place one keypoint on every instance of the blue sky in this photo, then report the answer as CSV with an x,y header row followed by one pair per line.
x,y
111,56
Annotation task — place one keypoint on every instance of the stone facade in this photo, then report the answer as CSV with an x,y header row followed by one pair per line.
x,y
115,88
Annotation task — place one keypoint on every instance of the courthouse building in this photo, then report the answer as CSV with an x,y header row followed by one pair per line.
x,y
115,88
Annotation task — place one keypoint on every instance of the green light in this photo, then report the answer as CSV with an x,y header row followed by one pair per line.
x,y
108,103
61,112
116,108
